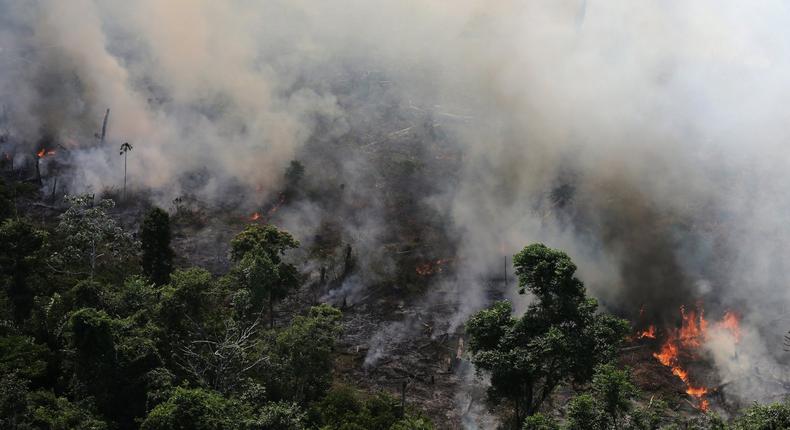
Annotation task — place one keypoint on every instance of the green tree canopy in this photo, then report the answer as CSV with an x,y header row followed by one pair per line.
x,y
92,239
257,252
194,409
157,258
344,408
22,249
302,355
560,338
765,417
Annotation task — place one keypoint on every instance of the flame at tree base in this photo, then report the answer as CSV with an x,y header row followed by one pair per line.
x,y
692,333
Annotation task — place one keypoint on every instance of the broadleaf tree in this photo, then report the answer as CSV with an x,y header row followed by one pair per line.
x,y
91,238
560,338
258,256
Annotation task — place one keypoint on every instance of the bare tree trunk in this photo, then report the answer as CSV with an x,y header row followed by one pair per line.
x,y
124,175
104,125
54,189
38,169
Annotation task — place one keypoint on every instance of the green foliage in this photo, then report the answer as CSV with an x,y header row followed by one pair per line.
x,y
650,416
58,413
609,404
194,409
9,193
91,337
112,360
13,400
539,421
22,356
200,409
92,240
188,298
41,409
584,413
257,252
560,338
7,207
279,416
302,355
137,294
413,423
21,255
262,238
157,256
764,417
343,408
615,391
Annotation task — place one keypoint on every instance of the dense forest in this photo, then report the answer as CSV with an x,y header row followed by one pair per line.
x,y
102,330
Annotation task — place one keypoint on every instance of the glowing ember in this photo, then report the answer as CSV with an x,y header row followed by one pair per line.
x,y
45,152
257,216
692,333
429,268
649,333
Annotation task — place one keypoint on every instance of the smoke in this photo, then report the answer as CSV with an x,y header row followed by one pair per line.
x,y
646,139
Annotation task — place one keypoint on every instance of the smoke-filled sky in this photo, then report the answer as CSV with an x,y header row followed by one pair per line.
x,y
647,139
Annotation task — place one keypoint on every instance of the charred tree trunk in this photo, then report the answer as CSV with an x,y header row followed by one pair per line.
x,y
124,176
104,126
54,189
38,168
349,262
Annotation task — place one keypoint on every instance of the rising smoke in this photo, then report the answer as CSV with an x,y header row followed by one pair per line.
x,y
647,139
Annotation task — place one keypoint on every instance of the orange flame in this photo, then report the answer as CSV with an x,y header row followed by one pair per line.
x,y
691,334
257,216
731,323
45,152
649,333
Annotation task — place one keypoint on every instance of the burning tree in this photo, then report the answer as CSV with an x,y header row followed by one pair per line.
x,y
559,339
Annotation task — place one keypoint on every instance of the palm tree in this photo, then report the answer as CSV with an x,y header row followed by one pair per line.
x,y
125,148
